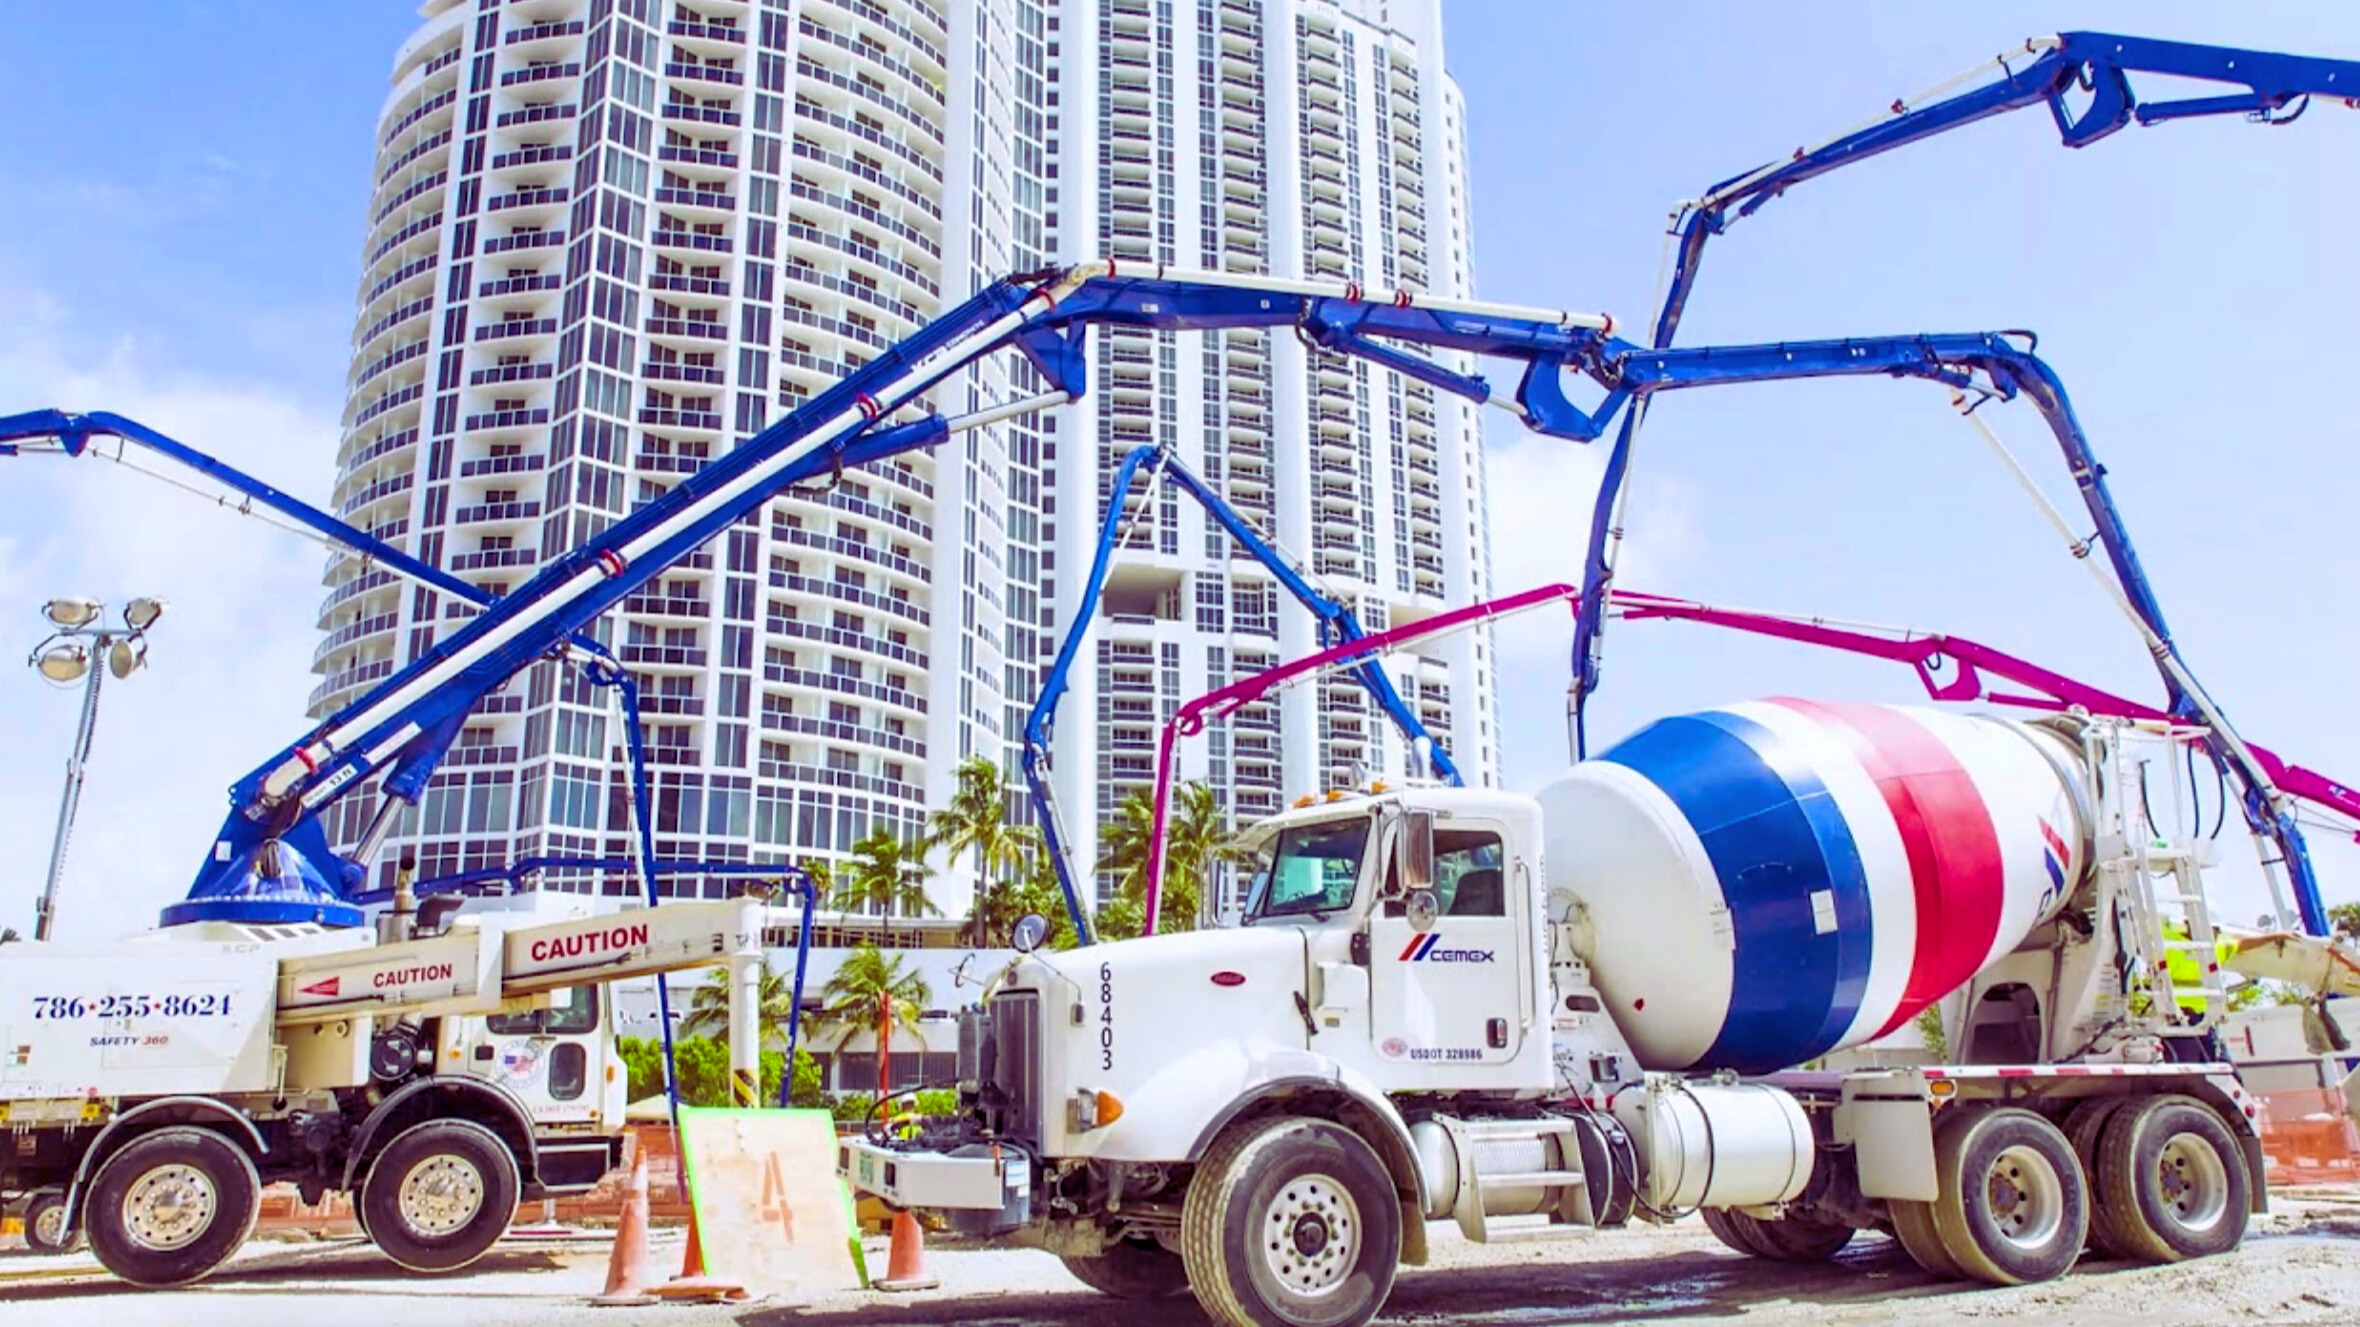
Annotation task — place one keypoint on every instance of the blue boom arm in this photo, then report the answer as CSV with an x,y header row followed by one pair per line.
x,y
271,860
1990,364
2053,72
1337,625
62,433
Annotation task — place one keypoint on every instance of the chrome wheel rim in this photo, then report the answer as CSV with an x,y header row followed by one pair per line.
x,y
49,1228
2026,1197
441,1195
1311,1235
168,1207
2192,1182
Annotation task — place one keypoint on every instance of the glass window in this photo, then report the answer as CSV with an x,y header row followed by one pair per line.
x,y
573,1011
1311,869
1470,873
569,1071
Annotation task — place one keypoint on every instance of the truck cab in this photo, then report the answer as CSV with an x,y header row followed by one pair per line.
x,y
1392,964
1420,921
1390,943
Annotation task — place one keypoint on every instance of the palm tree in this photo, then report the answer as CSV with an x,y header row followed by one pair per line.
x,y
975,824
868,989
1122,844
708,1009
885,873
1196,837
823,877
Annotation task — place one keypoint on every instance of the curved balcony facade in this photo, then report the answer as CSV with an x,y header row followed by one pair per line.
x,y
607,241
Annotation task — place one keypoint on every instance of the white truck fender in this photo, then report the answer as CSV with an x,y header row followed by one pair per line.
x,y
128,1125
501,1104
1176,1114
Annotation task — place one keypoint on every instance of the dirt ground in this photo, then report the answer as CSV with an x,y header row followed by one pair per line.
x,y
2301,1265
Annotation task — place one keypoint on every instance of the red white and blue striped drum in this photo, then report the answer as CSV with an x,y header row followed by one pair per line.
x,y
1775,880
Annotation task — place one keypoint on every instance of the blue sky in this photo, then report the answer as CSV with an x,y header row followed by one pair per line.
x,y
188,182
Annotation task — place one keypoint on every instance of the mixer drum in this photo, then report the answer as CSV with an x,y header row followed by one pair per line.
x,y
1775,880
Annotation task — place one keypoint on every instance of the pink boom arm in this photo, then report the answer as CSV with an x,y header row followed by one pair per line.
x,y
1968,663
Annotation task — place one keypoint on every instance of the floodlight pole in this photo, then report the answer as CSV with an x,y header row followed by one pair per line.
x,y
46,911
96,649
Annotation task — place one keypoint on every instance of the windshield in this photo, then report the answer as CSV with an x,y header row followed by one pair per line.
x,y
572,1011
1311,869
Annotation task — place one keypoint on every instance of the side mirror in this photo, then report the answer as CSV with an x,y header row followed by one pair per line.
x,y
1028,933
1413,852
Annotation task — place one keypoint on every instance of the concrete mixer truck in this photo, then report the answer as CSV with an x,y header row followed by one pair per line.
x,y
1535,1014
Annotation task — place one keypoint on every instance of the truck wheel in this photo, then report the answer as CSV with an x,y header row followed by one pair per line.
x,y
1732,1229
45,1224
1132,1269
2014,1205
2085,1125
1291,1223
1795,1238
439,1195
2174,1179
172,1206
1913,1229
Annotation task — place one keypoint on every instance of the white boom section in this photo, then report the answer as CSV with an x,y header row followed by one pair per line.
x,y
475,970
157,1017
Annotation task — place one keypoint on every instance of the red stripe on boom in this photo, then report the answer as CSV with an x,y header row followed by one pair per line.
x,y
1954,863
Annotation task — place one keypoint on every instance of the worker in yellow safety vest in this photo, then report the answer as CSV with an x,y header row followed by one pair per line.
x,y
2186,972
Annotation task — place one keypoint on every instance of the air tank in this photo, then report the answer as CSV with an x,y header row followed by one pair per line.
x,y
1761,884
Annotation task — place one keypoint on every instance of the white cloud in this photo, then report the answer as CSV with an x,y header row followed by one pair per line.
x,y
229,665
1542,491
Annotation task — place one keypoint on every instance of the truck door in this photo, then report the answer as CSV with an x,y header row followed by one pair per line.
x,y
1454,994
551,1058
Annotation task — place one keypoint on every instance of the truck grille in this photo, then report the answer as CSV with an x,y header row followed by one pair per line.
x,y
1008,1056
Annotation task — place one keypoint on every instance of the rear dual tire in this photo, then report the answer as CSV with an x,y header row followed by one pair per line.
x,y
2154,1180
2172,1182
1791,1238
2012,1203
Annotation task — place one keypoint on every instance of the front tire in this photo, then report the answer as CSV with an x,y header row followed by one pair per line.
x,y
440,1195
172,1206
1132,1269
1291,1223
2014,1205
45,1224
2174,1181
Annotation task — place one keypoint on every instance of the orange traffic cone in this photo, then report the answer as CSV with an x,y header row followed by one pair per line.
x,y
905,1265
627,1272
693,1286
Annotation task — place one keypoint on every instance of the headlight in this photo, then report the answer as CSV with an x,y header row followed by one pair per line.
x,y
1091,1110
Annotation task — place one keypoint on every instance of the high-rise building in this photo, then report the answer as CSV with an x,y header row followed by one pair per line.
x,y
1301,138
610,239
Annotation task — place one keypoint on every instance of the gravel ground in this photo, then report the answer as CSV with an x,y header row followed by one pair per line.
x,y
2301,1265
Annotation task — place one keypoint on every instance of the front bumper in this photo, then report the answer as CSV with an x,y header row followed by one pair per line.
x,y
980,1189
977,1177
